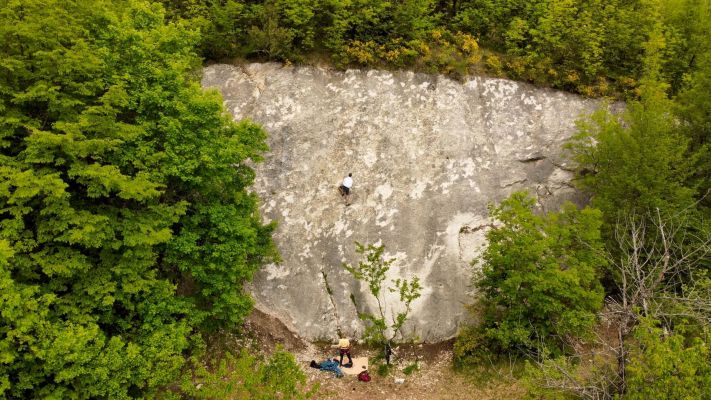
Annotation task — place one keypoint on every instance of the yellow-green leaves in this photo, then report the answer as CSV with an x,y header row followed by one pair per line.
x,y
667,365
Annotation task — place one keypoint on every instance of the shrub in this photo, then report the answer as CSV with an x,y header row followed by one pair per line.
x,y
246,377
539,282
372,270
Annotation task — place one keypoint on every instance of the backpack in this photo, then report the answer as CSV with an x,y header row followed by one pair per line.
x,y
364,376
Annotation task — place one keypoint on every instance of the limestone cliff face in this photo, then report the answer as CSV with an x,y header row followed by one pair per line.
x,y
427,155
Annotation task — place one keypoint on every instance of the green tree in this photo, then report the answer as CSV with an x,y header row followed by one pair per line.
x,y
636,161
282,29
271,29
373,271
692,108
125,222
660,279
590,46
661,364
665,365
539,281
224,27
586,46
685,31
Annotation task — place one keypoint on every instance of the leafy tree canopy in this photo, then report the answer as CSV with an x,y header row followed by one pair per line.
x,y
593,47
540,278
125,222
666,365
639,161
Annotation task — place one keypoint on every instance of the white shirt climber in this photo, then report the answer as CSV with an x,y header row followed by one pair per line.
x,y
348,181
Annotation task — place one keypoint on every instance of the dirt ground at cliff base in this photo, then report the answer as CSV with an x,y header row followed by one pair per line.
x,y
434,378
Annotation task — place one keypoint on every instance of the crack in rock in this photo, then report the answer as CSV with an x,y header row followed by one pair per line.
x,y
512,183
563,167
531,159
333,303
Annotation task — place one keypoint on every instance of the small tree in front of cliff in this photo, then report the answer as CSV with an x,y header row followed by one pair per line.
x,y
372,269
539,282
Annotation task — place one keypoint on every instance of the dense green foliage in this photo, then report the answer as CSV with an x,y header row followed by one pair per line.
x,y
693,108
641,161
588,45
540,279
247,378
647,170
668,366
662,365
638,162
593,47
125,222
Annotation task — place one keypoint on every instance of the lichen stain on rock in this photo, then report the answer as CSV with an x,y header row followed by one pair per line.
x,y
427,153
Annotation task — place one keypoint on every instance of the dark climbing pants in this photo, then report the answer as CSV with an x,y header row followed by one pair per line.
x,y
346,352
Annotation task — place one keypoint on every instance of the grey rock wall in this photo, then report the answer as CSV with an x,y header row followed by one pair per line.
x,y
427,155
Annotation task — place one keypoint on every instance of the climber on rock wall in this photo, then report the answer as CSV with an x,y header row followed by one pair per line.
x,y
345,188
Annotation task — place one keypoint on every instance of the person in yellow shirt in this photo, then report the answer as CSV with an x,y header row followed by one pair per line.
x,y
344,348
